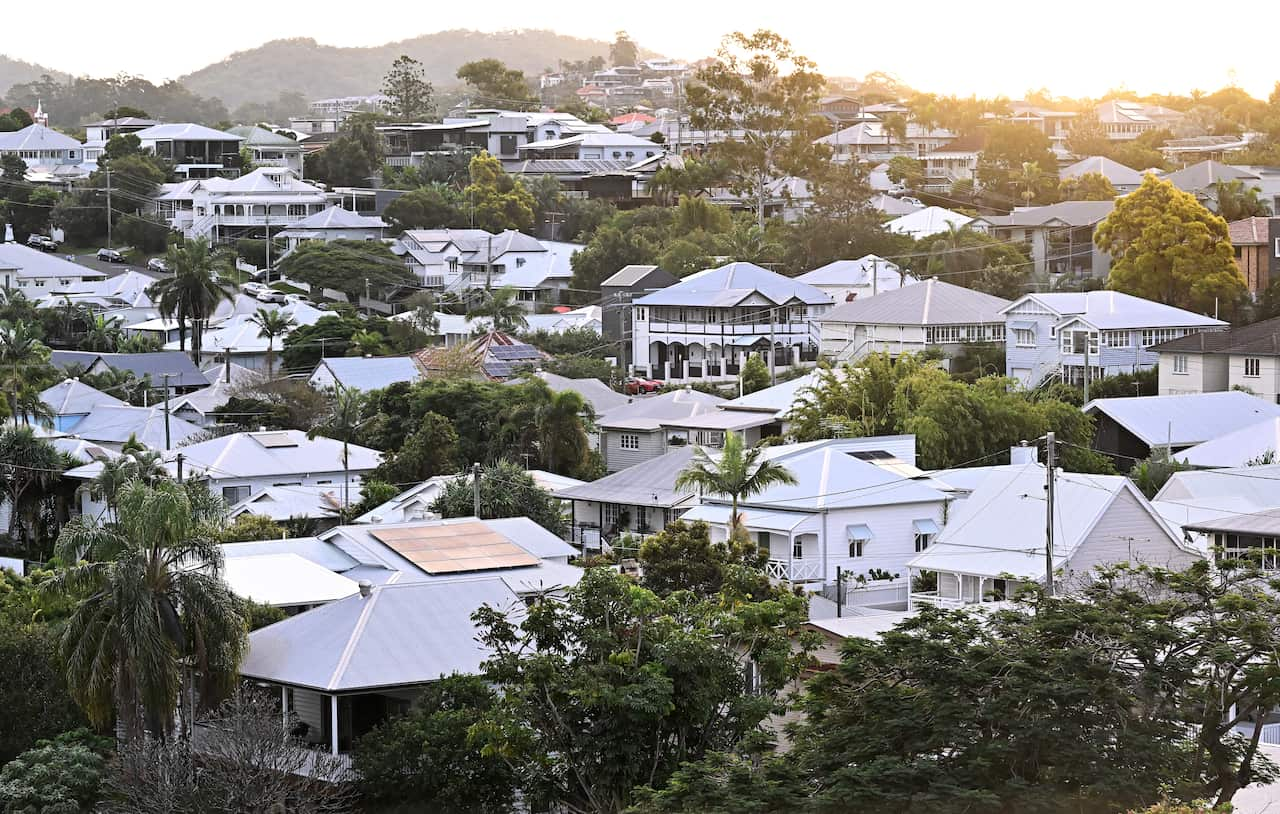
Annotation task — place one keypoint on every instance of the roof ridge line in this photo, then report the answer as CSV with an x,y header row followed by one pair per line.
x,y
348,652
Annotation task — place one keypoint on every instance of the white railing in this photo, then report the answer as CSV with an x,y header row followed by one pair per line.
x,y
202,226
399,161
935,599
801,570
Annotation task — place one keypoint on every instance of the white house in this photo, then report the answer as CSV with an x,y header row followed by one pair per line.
x,y
270,149
97,134
241,339
334,223
995,539
264,201
415,502
930,314
1245,358
872,141
705,326
1060,236
41,147
593,146
848,280
1124,179
38,275
1053,334
195,150
71,400
113,425
927,222
1129,428
635,432
464,259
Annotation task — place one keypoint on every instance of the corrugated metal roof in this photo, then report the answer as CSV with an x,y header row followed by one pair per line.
x,y
932,302
284,580
649,413
926,222
732,283
1115,172
1237,448
1187,419
1258,339
649,483
374,373
71,396
255,454
108,423
1114,310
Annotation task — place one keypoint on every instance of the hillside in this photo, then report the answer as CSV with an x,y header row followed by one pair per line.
x,y
318,71
15,71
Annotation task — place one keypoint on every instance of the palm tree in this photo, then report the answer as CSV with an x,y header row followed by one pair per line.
x,y
1236,201
366,343
102,334
272,324
30,468
154,613
1030,179
191,293
737,473
20,352
954,253
503,310
136,463
747,242
346,416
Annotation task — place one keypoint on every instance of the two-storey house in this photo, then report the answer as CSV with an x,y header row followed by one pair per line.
x,y
263,202
459,260
40,146
1060,236
636,432
270,149
1245,358
705,326
195,150
1095,333
871,141
38,275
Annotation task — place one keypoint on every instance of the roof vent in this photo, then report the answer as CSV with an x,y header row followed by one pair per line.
x,y
366,588
375,518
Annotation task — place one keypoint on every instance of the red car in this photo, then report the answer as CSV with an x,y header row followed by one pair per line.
x,y
636,386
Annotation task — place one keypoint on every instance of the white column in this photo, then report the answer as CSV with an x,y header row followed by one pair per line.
x,y
684,369
333,721
284,708
795,355
666,370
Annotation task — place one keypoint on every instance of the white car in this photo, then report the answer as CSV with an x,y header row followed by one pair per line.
x,y
253,289
292,298
265,294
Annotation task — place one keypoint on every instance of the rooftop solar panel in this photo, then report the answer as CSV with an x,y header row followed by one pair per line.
x,y
273,440
455,548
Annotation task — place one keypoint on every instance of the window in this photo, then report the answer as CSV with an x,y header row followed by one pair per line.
x,y
858,535
762,542
629,441
1156,336
668,515
922,541
1179,363
234,494
519,262
1024,337
642,518
611,512
1238,546
797,549
857,547
1252,366
1116,339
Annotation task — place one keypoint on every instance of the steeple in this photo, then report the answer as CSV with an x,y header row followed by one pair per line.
x,y
40,116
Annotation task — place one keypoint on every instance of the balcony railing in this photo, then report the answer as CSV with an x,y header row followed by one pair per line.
x,y
796,570
935,599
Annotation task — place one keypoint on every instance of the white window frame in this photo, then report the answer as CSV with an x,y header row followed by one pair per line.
x,y
1180,364
923,541
1024,337
1253,363
629,440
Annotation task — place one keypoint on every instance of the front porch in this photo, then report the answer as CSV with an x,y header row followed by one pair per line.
x,y
716,362
957,590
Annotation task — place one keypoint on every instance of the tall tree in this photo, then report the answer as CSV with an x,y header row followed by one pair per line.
x,y
1166,247
154,613
737,473
1000,171
427,207
191,292
348,412
623,51
758,87
506,490
29,471
272,324
503,310
494,200
22,356
1236,201
497,85
1091,186
1087,137
409,91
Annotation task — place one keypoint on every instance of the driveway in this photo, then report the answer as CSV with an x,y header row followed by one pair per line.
x,y
91,260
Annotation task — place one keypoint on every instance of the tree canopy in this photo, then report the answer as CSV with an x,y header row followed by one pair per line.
x,y
345,265
410,93
496,84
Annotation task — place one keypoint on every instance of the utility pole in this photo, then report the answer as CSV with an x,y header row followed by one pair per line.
x,y
322,341
1086,367
167,440
268,226
367,298
773,356
839,592
109,244
1049,444
475,488
875,277
179,461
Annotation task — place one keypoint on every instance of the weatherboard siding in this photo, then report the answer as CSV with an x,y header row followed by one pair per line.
x,y
652,444
1206,373
1127,533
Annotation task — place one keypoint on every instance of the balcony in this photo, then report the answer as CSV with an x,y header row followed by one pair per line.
x,y
795,570
935,599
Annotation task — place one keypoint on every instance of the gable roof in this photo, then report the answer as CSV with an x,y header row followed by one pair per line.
x,y
649,413
856,272
255,136
1115,172
930,302
1250,231
931,220
1000,528
373,373
635,274
1237,448
1201,176
281,503
1258,339
732,283
648,483
72,396
37,137
31,263
495,356
1064,213
400,635
778,399
284,580
1114,309
183,372
335,217
1184,420
274,452
598,395
109,423
186,131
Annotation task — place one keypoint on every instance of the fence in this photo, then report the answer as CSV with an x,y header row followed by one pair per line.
x,y
875,593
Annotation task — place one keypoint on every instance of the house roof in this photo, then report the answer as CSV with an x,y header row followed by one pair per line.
x,y
1201,176
856,272
1000,528
72,396
1258,339
406,506
1265,523
1249,231
207,399
732,283
83,451
400,635
648,483
312,549
109,423
1065,213
931,302
598,395
872,132
1115,172
931,220
255,136
37,137
274,452
635,274
185,131
1238,448
1114,310
495,355
778,399
183,372
335,217
282,503
649,413
1185,420
1242,488
284,580
31,263
372,373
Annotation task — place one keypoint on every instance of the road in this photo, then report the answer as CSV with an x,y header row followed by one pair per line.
x,y
90,260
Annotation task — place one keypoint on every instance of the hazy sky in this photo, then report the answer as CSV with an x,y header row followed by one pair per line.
x,y
1082,47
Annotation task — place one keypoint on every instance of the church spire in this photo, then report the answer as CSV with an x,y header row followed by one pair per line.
x,y
40,116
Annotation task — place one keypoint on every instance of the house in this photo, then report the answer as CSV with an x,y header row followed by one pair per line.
x,y
113,425
1124,179
334,223
222,210
1059,235
241,464
1245,358
1056,124
636,501
1252,445
843,512
36,275
320,506
1253,535
927,222
463,259
705,326
415,502
600,397
1058,334
285,580
634,432
360,373
493,356
1202,179
241,339
270,149
592,146
71,400
848,280
174,367
97,134
1123,120
200,406
587,318
1256,242
1129,428
499,132
871,141
930,314
196,151
778,401
42,148
1191,500
995,539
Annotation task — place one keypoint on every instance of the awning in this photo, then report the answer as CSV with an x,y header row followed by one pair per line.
x,y
753,519
924,526
858,531
1026,326
747,341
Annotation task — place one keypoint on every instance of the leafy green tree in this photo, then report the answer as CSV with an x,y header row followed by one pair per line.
x,y
345,265
33,686
555,425
502,309
430,450
758,85
682,557
1000,172
409,91
623,51
1091,186
427,207
426,760
736,473
1152,473
497,85
754,375
191,292
506,490
272,324
905,170
29,472
1087,137
350,160
608,251
1168,248
495,201
331,335
614,687
59,776
249,527
148,621
1009,282
1237,201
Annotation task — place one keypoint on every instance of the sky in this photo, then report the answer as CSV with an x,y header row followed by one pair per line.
x,y
1080,48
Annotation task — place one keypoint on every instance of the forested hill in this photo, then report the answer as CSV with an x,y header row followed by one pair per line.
x,y
319,71
15,71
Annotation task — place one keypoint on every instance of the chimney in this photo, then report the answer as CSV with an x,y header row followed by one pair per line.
x,y
1023,454
366,588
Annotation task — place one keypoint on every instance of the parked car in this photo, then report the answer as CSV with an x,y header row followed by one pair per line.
x,y
636,386
110,256
292,298
266,294
157,264
42,242
252,289
913,202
